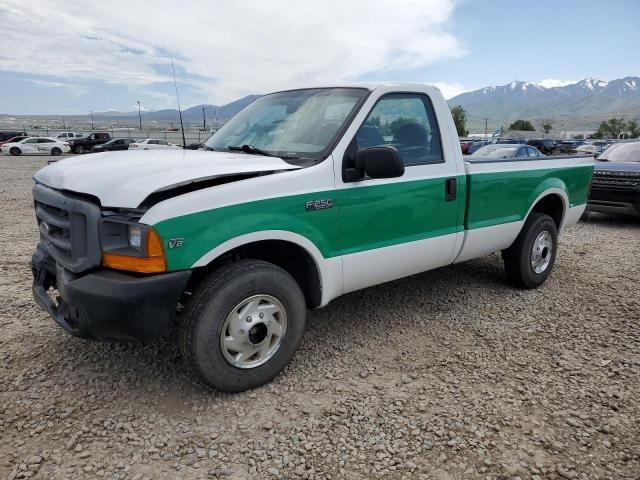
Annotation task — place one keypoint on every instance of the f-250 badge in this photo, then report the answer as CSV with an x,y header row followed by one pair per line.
x,y
319,204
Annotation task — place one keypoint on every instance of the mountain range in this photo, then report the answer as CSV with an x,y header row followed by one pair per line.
x,y
586,102
578,106
193,114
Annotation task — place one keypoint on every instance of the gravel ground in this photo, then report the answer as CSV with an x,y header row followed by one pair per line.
x,y
448,374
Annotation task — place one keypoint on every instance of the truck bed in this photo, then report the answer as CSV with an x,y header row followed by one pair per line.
x,y
501,192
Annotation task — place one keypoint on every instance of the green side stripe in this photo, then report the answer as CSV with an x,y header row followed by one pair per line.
x,y
497,198
371,217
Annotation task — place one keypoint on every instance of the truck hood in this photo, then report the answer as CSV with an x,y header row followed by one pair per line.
x,y
124,179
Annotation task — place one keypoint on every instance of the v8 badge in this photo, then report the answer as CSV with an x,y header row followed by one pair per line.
x,y
176,242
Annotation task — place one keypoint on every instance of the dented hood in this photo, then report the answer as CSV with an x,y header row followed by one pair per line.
x,y
125,179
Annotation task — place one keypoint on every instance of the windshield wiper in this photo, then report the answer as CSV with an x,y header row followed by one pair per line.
x,y
249,149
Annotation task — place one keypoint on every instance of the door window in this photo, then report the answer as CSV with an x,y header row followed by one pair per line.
x,y
533,152
31,140
405,121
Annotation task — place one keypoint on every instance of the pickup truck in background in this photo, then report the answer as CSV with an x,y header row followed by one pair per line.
x,y
303,196
86,144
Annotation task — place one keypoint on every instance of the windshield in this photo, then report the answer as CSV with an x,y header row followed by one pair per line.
x,y
622,152
293,124
495,151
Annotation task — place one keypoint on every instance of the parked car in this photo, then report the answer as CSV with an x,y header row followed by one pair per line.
x,y
478,144
464,146
545,145
152,144
616,180
589,149
85,144
68,135
14,139
284,212
568,146
36,146
195,146
501,150
7,134
113,145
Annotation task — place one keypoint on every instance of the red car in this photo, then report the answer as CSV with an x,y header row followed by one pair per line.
x,y
464,145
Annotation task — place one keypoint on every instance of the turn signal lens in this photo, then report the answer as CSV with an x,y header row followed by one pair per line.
x,y
154,262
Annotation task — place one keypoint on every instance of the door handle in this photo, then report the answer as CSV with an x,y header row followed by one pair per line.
x,y
450,189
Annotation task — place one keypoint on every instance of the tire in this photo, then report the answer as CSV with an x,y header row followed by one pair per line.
x,y
524,266
15,151
56,151
79,149
209,321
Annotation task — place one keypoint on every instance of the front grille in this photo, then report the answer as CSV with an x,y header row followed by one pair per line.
x,y
616,179
68,228
54,227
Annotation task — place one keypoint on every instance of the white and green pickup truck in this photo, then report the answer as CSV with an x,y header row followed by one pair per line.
x,y
303,196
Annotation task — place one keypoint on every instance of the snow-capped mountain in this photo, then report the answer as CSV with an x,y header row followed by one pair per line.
x,y
591,96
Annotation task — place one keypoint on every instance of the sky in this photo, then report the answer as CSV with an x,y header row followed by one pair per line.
x,y
71,57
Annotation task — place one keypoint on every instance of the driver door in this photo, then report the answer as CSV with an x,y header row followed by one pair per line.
x,y
395,227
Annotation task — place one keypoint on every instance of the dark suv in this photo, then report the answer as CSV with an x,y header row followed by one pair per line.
x,y
85,144
545,145
616,180
6,135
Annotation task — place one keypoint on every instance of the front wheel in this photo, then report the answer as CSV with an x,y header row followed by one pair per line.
x,y
529,261
79,149
56,151
15,151
243,325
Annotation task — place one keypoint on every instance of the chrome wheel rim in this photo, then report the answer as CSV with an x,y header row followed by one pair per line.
x,y
253,331
541,252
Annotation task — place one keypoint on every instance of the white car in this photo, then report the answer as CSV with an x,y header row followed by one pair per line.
x,y
62,136
36,146
589,149
152,144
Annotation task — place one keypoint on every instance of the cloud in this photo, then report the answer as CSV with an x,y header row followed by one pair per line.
x,y
554,82
450,90
224,49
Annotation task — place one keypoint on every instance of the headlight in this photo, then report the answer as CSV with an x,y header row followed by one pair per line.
x,y
135,237
132,246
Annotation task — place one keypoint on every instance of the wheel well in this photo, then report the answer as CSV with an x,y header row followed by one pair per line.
x,y
551,205
292,258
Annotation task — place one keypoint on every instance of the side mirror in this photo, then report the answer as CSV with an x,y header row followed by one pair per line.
x,y
376,162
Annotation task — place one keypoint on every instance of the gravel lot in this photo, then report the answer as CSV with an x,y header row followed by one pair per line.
x,y
448,374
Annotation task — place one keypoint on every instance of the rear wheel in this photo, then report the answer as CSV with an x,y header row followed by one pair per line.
x,y
15,151
56,151
529,261
243,325
79,149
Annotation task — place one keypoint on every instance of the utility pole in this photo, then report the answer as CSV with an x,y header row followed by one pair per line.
x,y
204,120
139,115
486,127
91,113
63,126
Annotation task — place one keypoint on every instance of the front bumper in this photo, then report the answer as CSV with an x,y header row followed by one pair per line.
x,y
614,200
107,305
